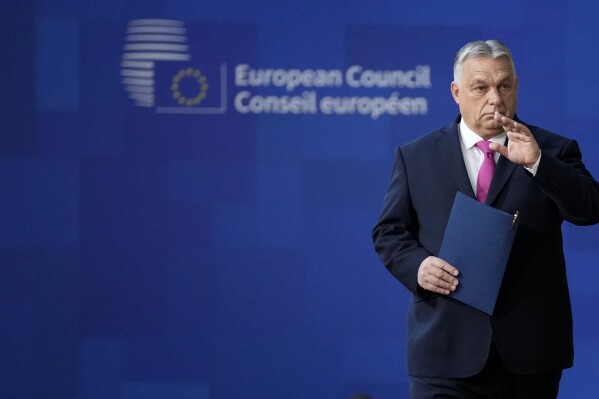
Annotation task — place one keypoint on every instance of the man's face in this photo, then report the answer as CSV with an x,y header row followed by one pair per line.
x,y
488,86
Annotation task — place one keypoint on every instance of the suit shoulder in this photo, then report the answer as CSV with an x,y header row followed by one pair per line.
x,y
547,138
427,140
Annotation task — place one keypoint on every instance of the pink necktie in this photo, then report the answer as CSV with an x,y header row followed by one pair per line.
x,y
485,173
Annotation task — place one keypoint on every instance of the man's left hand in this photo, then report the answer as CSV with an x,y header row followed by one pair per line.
x,y
522,148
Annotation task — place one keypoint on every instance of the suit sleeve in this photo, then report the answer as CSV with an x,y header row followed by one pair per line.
x,y
395,236
570,185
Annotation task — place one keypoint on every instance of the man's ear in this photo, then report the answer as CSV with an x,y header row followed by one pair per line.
x,y
455,92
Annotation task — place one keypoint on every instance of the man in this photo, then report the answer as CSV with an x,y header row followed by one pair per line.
x,y
454,350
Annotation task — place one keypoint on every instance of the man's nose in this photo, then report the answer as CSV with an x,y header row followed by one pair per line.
x,y
494,96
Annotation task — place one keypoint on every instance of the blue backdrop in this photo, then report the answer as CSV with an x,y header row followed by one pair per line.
x,y
187,188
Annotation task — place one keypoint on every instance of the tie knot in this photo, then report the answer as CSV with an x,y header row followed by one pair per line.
x,y
483,145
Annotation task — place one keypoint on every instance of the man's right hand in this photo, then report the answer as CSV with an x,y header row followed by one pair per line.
x,y
436,275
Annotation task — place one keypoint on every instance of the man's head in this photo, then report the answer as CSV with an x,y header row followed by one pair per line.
x,y
485,82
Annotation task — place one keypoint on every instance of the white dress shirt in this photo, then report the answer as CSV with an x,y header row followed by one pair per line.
x,y
473,157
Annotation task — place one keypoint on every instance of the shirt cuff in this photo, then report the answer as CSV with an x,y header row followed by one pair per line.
x,y
534,168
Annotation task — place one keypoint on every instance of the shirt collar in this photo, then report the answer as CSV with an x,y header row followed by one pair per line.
x,y
469,138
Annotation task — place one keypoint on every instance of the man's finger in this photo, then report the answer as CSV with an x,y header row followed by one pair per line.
x,y
499,148
440,278
519,136
441,264
440,286
506,122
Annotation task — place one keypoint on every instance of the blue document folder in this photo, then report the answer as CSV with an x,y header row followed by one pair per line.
x,y
477,241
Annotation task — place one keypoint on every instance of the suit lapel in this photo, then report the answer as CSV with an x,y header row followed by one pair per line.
x,y
449,152
503,171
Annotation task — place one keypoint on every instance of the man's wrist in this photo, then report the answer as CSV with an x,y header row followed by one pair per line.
x,y
533,168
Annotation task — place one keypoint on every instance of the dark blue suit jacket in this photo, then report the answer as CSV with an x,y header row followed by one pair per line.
x,y
532,321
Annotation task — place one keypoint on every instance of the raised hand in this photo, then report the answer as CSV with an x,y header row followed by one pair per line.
x,y
522,148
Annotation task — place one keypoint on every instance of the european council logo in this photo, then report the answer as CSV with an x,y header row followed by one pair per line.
x,y
157,71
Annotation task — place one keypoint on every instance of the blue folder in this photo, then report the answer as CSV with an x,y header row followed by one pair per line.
x,y
477,241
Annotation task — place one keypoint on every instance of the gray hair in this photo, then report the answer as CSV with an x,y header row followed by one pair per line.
x,y
489,48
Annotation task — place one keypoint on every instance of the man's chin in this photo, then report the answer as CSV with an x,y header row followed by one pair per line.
x,y
491,130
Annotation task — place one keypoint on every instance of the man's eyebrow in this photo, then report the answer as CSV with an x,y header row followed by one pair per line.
x,y
479,81
507,79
